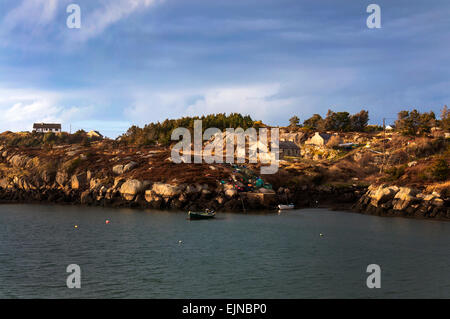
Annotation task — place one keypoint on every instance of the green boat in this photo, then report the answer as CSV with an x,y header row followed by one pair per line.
x,y
207,214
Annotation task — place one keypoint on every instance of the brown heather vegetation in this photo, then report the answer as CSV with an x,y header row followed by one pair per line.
x,y
416,160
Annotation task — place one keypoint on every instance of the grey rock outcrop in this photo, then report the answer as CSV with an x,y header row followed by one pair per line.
x,y
403,201
131,188
166,190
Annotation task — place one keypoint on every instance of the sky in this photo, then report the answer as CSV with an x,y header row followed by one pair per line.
x,y
133,62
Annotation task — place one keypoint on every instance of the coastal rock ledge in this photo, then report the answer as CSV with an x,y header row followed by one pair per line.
x,y
82,188
385,200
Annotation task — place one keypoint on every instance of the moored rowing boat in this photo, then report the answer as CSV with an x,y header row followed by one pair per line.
x,y
201,215
286,207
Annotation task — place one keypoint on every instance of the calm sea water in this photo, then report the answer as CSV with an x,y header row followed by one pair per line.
x,y
139,254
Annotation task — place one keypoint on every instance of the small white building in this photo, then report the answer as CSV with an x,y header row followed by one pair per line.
x,y
46,127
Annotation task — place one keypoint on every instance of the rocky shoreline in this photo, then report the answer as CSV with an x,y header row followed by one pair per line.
x,y
385,200
134,179
380,200
32,179
134,193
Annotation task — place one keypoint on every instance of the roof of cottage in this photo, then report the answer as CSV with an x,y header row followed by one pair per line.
x,y
325,136
288,145
46,125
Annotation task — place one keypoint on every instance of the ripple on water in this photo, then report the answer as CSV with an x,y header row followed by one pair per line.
x,y
139,254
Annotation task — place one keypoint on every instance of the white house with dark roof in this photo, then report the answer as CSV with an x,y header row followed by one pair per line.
x,y
46,127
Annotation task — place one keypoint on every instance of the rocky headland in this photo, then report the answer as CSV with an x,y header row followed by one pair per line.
x,y
104,173
32,179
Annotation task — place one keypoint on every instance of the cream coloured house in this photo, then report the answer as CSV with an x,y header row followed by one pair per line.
x,y
319,139
94,134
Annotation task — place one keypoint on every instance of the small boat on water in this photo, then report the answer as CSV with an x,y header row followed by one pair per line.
x,y
286,207
207,214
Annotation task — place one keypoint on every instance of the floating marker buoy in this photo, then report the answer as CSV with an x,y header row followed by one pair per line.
x,y
107,221
76,226
321,235
180,241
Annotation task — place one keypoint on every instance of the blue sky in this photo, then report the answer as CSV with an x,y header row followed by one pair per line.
x,y
140,61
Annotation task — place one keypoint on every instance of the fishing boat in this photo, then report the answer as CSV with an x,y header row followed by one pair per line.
x,y
286,207
207,214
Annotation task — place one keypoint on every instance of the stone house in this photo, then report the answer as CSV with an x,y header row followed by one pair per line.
x,y
298,137
318,139
288,148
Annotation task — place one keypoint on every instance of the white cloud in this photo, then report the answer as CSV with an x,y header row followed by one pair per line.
x,y
147,106
38,20
21,108
31,13
259,100
109,13
302,92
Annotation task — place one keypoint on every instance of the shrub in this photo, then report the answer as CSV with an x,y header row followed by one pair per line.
x,y
423,147
398,157
317,179
49,138
334,141
396,172
365,159
86,142
73,165
398,141
440,170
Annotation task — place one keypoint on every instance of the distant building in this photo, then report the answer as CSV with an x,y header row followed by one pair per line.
x,y
319,139
288,149
297,137
46,127
94,134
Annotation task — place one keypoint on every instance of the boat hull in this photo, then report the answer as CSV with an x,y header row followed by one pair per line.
x,y
197,216
285,207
